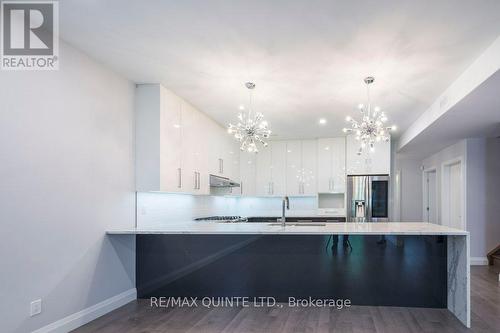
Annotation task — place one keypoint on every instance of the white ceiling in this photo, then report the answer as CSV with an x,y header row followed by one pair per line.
x,y
476,115
308,58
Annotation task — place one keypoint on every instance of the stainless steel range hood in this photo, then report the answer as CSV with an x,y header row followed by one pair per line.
x,y
217,181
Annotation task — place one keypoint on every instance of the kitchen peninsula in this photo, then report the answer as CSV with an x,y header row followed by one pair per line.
x,y
420,264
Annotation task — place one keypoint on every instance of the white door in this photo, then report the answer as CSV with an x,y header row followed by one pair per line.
x,y
452,195
430,196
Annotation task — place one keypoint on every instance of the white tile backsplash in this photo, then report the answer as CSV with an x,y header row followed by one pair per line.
x,y
157,209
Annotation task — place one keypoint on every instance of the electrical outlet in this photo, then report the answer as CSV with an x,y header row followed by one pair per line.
x,y
36,307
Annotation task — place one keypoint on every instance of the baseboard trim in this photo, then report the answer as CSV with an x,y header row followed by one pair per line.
x,y
478,261
84,316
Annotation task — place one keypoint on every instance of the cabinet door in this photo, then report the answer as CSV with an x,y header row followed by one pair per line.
x,y
216,137
309,161
338,170
170,142
294,171
326,148
381,158
263,172
200,148
190,152
232,165
247,173
278,168
368,163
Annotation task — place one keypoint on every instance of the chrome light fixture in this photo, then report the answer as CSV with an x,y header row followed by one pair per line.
x,y
371,128
251,127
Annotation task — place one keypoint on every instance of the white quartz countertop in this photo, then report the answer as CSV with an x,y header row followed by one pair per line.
x,y
348,228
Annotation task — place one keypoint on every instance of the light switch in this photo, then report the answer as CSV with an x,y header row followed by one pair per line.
x,y
36,307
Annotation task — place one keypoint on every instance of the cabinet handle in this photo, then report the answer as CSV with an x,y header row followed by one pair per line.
x,y
195,180
241,188
198,186
179,177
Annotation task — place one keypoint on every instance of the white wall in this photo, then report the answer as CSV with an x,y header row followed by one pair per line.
x,y
483,195
482,189
492,228
409,207
435,161
67,175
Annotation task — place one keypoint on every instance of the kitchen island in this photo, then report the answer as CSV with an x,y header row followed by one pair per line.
x,y
419,264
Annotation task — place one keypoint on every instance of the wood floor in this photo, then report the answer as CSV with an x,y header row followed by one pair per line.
x,y
139,317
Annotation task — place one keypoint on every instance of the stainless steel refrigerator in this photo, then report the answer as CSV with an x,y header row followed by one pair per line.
x,y
368,198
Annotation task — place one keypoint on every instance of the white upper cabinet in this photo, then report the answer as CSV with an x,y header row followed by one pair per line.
x,y
263,177
248,173
178,147
170,157
377,162
294,168
170,142
331,165
158,139
223,153
309,167
194,152
271,170
301,168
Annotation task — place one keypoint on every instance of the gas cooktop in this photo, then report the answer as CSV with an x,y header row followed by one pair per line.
x,y
223,219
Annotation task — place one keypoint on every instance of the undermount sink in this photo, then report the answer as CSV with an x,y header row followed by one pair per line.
x,y
306,224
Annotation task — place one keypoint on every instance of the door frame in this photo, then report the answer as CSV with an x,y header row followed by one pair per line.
x,y
424,193
463,187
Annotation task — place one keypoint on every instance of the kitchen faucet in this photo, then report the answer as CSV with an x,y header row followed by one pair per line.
x,y
286,205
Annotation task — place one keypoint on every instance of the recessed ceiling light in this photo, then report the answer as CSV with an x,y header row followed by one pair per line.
x,y
177,125
322,121
241,107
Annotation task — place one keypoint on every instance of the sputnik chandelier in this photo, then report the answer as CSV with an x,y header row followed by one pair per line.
x,y
251,127
372,127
